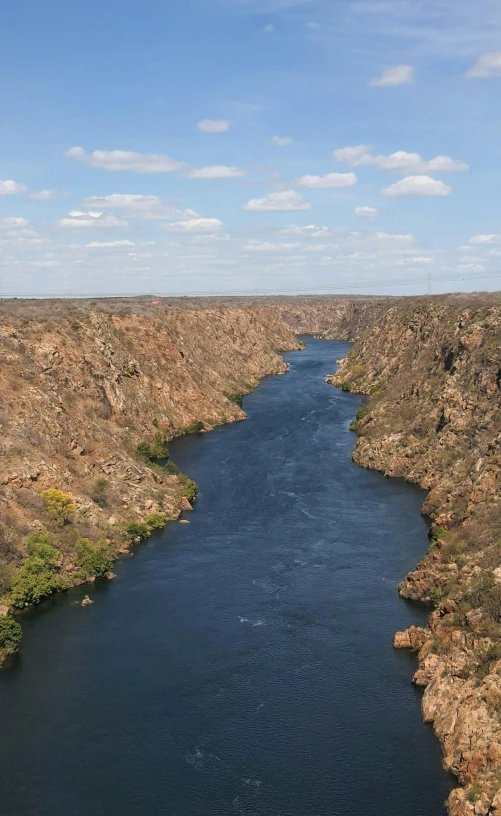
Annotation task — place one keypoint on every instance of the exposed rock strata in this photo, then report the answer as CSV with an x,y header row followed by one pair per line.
x,y
432,373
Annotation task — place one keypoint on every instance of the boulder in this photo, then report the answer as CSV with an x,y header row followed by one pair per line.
x,y
402,640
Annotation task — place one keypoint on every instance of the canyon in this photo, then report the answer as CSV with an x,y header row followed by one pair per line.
x,y
95,391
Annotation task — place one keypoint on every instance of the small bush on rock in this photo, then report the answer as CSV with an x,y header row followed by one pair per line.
x,y
156,521
136,530
236,399
194,427
98,494
190,490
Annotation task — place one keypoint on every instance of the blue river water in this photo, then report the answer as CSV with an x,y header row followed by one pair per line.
x,y
241,664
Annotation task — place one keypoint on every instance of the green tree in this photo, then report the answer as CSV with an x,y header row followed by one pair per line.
x,y
93,559
10,634
38,577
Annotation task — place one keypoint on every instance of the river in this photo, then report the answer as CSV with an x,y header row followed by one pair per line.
x,y
241,664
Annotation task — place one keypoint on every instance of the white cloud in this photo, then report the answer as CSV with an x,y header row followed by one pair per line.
x,y
415,260
470,267
45,264
268,246
365,212
356,156
417,187
482,240
123,160
13,223
330,180
106,244
310,231
118,160
195,225
400,161
215,171
269,28
286,201
391,77
10,187
77,219
147,207
488,65
281,141
214,125
312,24
45,195
394,237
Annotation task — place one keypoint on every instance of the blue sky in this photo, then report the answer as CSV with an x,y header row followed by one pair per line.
x,y
250,145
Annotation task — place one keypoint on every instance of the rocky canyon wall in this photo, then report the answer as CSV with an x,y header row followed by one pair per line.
x,y
431,370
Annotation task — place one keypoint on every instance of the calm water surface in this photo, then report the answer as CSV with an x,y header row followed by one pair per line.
x,y
241,664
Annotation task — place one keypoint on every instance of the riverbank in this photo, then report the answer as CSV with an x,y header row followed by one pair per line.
x,y
433,417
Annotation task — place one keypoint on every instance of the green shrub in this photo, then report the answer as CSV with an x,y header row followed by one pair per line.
x,y
136,530
145,452
156,521
194,427
93,559
150,452
190,490
474,793
236,399
10,634
98,494
40,546
171,468
345,386
38,577
59,506
362,412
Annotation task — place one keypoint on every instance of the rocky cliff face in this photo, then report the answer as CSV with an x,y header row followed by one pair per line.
x,y
431,370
